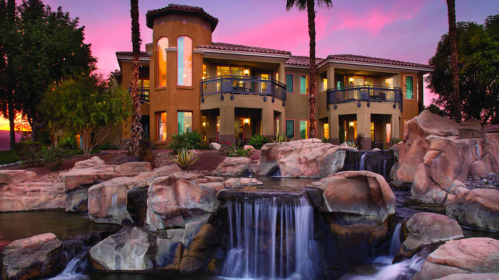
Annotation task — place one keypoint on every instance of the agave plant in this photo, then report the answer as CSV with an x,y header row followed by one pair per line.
x,y
281,138
351,144
185,158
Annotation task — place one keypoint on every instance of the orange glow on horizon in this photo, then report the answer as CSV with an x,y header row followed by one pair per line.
x,y
4,123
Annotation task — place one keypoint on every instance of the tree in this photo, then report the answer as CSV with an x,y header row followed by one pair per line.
x,y
85,104
51,47
478,47
451,10
136,129
309,5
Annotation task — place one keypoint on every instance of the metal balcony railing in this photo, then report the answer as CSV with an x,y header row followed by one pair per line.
x,y
244,85
143,94
365,93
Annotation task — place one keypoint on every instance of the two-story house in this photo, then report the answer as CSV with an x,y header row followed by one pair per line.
x,y
231,92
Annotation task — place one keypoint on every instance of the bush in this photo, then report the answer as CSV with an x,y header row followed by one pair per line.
x,y
145,151
358,141
7,157
106,146
68,143
257,141
230,150
185,158
282,138
325,140
29,152
53,158
188,140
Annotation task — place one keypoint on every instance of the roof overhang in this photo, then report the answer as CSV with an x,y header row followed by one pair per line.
x,y
219,53
392,66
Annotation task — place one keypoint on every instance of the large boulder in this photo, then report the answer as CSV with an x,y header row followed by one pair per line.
x,y
310,158
215,146
123,251
474,276
268,159
32,196
108,201
33,257
425,229
94,161
10,177
174,199
477,208
233,166
437,151
361,193
471,255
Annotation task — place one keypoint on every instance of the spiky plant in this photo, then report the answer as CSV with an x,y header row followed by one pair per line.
x,y
185,158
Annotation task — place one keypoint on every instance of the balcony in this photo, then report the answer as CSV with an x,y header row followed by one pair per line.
x,y
366,94
143,94
244,85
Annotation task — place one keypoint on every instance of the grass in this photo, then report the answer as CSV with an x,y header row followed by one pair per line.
x,y
8,157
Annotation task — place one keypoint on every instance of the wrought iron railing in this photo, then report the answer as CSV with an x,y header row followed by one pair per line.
x,y
243,85
365,93
143,94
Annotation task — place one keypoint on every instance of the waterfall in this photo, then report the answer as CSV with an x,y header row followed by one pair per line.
x,y
74,269
277,173
363,162
270,238
395,242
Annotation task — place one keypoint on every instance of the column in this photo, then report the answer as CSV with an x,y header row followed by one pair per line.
x,y
364,127
395,121
282,73
268,122
330,78
420,92
227,116
334,128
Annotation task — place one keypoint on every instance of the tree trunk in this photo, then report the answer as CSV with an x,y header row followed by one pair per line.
x,y
12,125
34,130
136,129
312,79
451,6
11,7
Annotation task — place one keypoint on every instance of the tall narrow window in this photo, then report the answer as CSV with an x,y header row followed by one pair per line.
x,y
324,84
290,129
289,83
303,84
162,126
184,122
277,127
184,61
372,131
161,53
303,130
326,130
409,87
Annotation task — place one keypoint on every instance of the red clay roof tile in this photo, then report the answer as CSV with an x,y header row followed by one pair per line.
x,y
179,8
233,47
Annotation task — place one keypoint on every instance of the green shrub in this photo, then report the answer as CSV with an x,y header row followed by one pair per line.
x,y
7,157
68,143
29,152
106,146
325,140
257,141
358,140
53,158
185,158
230,150
282,138
188,140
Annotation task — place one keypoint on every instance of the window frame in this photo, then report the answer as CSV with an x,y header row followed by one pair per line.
x,y
157,63
405,87
192,62
307,132
292,126
192,119
158,123
292,80
307,79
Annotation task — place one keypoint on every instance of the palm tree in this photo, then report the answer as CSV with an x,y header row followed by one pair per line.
x,y
136,129
451,7
309,5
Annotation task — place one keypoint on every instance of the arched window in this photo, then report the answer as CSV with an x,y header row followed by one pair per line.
x,y
161,53
184,61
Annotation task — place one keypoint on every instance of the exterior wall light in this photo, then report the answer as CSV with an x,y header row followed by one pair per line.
x,y
351,79
204,124
350,124
247,121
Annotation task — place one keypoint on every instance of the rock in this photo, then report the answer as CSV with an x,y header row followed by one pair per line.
x,y
133,167
471,255
175,198
474,276
215,146
359,193
248,147
37,256
310,158
426,229
169,254
268,159
241,182
233,166
437,151
376,149
401,185
32,196
11,177
476,208
123,251
92,162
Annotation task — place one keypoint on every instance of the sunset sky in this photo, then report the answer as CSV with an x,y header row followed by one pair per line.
x,y
395,29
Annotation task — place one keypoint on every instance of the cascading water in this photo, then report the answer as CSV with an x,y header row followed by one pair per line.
x,y
395,242
74,269
270,238
362,162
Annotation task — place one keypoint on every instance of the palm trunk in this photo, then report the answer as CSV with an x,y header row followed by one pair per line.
x,y
12,125
11,7
451,6
312,80
136,129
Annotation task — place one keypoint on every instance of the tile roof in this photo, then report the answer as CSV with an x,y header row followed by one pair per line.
x,y
241,48
302,60
142,54
179,8
493,127
360,58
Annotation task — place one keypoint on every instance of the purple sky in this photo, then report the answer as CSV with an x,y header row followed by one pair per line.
x,y
395,29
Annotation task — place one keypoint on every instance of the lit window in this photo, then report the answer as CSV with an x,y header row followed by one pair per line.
x,y
303,129
326,130
409,87
324,84
388,133
369,82
204,71
389,83
161,53
162,126
184,61
289,83
184,122
290,129
372,130
303,84
276,126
